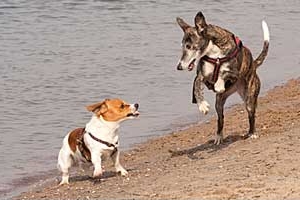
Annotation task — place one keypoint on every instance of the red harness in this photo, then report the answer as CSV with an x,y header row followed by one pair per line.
x,y
217,62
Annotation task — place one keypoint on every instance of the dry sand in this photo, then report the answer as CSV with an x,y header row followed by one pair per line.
x,y
186,165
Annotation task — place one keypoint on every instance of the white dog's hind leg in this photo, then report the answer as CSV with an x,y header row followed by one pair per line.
x,y
64,163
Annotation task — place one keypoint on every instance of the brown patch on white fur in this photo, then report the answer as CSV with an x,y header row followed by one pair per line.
x,y
111,109
101,139
74,135
76,142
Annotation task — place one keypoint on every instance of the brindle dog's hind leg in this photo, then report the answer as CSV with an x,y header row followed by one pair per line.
x,y
220,102
251,103
198,94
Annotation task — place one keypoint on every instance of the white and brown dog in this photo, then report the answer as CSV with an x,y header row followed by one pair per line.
x,y
98,138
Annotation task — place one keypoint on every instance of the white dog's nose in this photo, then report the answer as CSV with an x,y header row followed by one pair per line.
x,y
136,105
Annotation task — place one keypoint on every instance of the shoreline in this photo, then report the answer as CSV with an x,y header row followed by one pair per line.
x,y
185,164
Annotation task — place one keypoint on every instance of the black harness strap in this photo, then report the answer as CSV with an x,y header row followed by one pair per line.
x,y
106,143
217,62
85,152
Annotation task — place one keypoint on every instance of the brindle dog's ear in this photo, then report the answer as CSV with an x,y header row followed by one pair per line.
x,y
200,22
98,108
182,24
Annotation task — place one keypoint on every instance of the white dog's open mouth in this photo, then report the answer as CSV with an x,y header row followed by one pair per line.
x,y
134,114
192,65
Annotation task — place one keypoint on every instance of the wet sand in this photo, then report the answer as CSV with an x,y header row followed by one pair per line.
x,y
186,164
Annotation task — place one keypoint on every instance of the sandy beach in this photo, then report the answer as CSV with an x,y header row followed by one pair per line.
x,y
187,165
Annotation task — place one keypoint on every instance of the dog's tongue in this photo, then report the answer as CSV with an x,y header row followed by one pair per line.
x,y
191,66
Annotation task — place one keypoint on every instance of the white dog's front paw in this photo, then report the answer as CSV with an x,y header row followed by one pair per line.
x,y
97,173
64,180
122,171
203,107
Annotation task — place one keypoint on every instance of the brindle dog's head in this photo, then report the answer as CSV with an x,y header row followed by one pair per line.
x,y
193,43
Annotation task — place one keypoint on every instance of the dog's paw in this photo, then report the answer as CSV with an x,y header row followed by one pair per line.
x,y
64,182
122,171
64,179
251,136
203,107
218,139
97,174
254,136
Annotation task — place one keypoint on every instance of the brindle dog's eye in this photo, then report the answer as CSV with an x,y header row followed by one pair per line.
x,y
188,46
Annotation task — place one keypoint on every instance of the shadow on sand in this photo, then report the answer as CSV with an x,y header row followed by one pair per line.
x,y
105,175
208,146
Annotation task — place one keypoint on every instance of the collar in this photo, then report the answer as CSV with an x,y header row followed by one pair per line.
x,y
217,62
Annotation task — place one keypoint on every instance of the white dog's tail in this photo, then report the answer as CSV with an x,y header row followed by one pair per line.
x,y
260,59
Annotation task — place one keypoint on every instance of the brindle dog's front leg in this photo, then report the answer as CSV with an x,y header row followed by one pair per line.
x,y
220,101
198,94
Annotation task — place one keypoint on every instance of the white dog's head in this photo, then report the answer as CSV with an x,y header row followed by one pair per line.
x,y
114,110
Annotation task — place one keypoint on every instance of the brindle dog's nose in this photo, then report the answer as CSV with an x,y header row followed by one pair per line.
x,y
136,106
179,67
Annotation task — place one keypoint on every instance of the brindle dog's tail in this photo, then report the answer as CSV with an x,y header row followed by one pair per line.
x,y
259,60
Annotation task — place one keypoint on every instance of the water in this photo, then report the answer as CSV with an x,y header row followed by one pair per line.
x,y
58,56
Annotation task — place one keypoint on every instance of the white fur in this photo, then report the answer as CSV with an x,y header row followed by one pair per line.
x,y
207,69
254,136
218,139
266,31
220,84
203,107
65,160
102,129
213,51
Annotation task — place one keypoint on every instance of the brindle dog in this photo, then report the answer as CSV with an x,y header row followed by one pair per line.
x,y
224,65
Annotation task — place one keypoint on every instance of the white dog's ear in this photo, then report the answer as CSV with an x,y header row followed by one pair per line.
x,y
182,24
98,108
200,22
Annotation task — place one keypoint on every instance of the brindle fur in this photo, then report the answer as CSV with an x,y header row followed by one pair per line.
x,y
241,78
